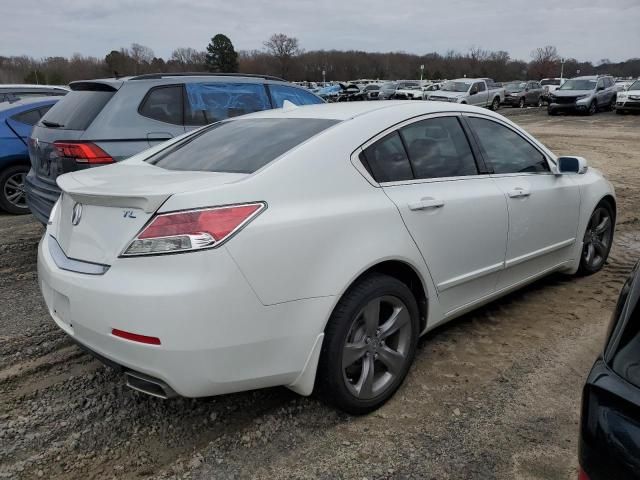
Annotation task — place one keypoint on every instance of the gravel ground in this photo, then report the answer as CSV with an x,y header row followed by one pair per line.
x,y
492,395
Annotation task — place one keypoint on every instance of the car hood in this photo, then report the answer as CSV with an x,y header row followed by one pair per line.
x,y
572,93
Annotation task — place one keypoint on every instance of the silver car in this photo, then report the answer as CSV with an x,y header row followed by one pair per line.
x,y
105,121
584,95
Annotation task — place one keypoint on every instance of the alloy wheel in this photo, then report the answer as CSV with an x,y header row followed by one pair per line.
x,y
377,347
521,103
13,190
597,238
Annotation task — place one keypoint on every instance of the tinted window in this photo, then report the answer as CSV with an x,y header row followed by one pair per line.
x,y
438,147
239,146
212,102
77,109
44,110
163,104
481,86
297,96
386,160
29,117
505,150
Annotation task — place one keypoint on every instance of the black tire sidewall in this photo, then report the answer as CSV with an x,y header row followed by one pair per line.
x,y
585,269
330,381
4,176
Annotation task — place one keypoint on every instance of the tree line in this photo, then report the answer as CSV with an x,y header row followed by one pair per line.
x,y
282,56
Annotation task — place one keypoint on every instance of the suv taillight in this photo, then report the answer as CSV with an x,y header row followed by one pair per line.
x,y
192,229
83,152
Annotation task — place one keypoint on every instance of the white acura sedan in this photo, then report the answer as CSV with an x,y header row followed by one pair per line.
x,y
310,247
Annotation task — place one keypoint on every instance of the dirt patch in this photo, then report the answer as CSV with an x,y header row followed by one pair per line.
x,y
492,395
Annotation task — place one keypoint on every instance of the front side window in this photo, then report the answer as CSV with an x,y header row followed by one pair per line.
x,y
480,87
297,96
212,102
239,146
438,147
163,104
505,151
386,160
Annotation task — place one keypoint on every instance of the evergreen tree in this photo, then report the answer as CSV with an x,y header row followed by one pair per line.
x,y
221,56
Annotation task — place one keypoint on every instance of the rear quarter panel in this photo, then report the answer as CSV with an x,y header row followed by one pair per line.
x,y
324,225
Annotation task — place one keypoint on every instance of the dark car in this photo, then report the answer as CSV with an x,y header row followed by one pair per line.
x,y
521,94
105,121
10,93
16,122
610,423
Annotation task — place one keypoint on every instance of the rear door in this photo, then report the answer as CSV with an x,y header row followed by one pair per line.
x,y
456,214
543,207
164,107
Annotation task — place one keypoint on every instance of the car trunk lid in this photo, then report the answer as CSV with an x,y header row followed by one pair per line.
x,y
101,211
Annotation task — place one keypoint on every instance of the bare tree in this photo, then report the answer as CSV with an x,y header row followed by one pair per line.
x,y
545,62
283,49
141,55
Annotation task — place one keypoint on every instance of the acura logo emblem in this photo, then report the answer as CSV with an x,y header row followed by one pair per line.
x,y
76,214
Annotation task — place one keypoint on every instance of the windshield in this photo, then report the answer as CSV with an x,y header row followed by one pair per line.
x,y
239,146
635,85
455,87
550,81
575,84
515,86
389,86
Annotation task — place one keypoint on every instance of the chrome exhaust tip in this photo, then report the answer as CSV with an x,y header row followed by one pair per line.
x,y
149,385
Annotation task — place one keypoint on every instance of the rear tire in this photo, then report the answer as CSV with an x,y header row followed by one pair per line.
x,y
12,194
597,240
370,342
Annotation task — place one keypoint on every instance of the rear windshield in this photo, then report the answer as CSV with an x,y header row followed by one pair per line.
x,y
239,146
76,110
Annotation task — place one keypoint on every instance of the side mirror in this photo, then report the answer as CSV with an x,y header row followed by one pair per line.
x,y
473,91
601,87
569,165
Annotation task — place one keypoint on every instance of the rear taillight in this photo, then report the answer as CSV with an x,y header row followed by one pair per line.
x,y
83,152
582,475
192,229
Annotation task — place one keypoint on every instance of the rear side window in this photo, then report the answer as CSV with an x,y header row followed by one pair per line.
x,y
163,104
212,102
505,150
387,161
297,96
438,147
77,109
29,117
239,146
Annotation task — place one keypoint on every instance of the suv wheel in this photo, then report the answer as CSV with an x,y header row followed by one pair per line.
x,y
522,103
612,104
593,108
495,105
12,195
539,102
369,345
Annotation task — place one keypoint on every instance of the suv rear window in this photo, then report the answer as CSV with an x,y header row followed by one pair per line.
x,y
77,109
212,102
239,146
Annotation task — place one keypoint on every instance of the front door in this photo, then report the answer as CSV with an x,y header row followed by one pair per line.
x,y
456,214
543,207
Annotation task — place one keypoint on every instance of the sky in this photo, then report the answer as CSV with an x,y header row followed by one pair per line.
x,y
583,29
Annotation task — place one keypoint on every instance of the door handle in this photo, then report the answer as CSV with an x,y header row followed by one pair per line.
x,y
425,203
519,192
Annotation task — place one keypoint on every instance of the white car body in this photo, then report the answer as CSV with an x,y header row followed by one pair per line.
x,y
252,312
629,99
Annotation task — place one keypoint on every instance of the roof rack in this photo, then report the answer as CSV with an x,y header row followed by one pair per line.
x,y
152,76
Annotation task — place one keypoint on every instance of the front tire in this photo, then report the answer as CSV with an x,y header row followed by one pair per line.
x,y
522,103
12,195
593,108
370,342
495,105
597,240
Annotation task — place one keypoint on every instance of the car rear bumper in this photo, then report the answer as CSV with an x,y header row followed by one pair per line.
x,y
215,335
41,196
610,426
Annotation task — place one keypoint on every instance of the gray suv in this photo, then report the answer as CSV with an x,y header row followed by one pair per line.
x,y
584,94
104,121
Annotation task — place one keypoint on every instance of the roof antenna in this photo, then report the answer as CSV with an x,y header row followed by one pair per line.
x,y
287,106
